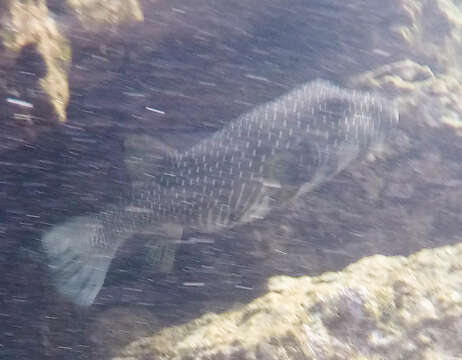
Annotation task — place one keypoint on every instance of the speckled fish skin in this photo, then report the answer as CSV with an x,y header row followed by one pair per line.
x,y
262,160
313,132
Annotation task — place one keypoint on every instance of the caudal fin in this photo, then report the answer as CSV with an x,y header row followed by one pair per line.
x,y
78,259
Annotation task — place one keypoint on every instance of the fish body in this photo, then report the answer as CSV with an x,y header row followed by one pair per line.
x,y
262,160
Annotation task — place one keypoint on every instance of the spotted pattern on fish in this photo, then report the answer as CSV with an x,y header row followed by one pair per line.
x,y
262,160
308,135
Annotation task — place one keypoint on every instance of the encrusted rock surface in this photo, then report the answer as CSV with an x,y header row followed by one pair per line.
x,y
379,308
28,23
36,49
94,14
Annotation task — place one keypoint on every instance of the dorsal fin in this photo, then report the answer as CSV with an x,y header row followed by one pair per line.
x,y
145,155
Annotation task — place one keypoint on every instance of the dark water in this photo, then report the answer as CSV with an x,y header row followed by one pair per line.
x,y
201,78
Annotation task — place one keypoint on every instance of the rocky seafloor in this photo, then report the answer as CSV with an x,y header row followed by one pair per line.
x,y
378,308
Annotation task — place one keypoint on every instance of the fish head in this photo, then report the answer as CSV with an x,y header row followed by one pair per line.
x,y
371,119
337,130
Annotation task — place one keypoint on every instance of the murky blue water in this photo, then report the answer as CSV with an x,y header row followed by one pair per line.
x,y
204,71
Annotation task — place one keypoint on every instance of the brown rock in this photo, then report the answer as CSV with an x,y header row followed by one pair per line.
x,y
380,307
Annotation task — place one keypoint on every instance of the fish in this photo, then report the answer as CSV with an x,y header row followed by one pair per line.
x,y
263,160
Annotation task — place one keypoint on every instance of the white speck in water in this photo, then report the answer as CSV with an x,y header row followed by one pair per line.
x,y
20,103
195,284
243,287
134,94
255,77
155,110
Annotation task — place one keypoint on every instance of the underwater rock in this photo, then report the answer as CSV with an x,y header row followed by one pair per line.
x,y
380,307
26,24
117,327
93,14
34,24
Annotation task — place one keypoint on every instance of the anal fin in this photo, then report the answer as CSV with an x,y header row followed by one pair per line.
x,y
161,256
164,240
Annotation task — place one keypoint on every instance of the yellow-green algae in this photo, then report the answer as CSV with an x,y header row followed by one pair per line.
x,y
28,22
95,13
391,302
412,83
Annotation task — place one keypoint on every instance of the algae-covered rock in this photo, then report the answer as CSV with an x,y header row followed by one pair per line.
x,y
430,30
379,308
26,23
417,86
93,13
36,54
117,327
426,34
31,23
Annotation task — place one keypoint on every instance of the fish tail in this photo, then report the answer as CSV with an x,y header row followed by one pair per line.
x,y
78,264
